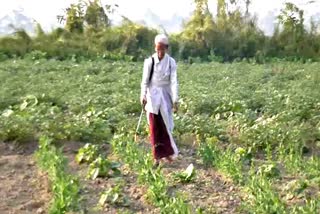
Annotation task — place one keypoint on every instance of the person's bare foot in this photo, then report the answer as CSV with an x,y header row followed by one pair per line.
x,y
169,159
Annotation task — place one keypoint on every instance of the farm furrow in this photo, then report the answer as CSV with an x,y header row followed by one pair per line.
x,y
23,189
211,191
91,190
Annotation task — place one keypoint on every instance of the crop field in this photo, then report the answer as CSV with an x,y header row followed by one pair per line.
x,y
248,135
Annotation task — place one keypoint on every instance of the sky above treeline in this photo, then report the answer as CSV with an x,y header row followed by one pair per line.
x,y
46,11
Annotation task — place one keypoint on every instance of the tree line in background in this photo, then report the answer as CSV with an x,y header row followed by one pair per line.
x,y
231,35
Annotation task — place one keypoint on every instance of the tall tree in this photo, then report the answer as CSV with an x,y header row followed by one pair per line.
x,y
96,16
221,13
198,29
292,19
86,13
293,33
74,17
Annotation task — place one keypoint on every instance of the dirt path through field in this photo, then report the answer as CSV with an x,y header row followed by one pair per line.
x,y
23,189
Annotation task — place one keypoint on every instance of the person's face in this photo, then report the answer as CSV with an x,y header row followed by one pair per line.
x,y
161,49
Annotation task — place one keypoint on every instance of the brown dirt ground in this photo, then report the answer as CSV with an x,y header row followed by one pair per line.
x,y
23,189
92,189
210,191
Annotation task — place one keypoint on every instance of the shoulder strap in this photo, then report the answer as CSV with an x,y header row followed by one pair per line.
x,y
152,68
170,67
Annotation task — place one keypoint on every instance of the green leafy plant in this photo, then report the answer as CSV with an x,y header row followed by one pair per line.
x,y
65,188
87,153
186,176
177,205
268,170
243,155
262,198
208,151
102,167
114,195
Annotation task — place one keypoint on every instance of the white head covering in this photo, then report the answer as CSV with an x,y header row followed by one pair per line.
x,y
161,38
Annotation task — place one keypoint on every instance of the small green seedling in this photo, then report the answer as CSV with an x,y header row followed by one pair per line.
x,y
102,167
186,176
87,154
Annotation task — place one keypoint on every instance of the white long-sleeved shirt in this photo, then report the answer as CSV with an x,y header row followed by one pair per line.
x,y
163,87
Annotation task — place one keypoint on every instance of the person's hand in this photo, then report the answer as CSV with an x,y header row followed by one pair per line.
x,y
143,101
175,107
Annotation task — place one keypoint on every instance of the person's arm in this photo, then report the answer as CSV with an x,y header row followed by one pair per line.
x,y
145,81
174,84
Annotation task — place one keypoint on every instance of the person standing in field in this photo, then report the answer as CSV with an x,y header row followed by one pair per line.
x,y
159,97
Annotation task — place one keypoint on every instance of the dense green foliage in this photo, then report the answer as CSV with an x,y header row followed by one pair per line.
x,y
258,124
89,101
